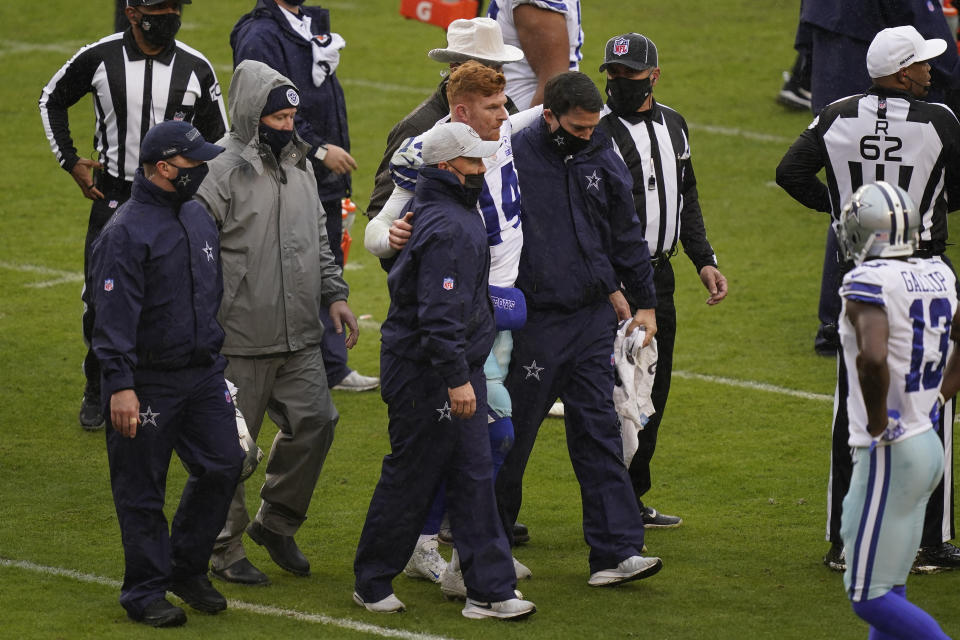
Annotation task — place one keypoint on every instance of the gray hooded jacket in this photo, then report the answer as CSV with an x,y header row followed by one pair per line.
x,y
277,266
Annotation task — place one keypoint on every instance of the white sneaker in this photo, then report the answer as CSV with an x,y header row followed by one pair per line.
x,y
633,568
512,609
426,562
390,604
451,583
523,572
356,382
556,411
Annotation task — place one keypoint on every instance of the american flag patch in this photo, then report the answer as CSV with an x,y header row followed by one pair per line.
x,y
108,284
448,283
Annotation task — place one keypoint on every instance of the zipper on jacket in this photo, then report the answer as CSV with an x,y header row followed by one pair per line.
x,y
281,178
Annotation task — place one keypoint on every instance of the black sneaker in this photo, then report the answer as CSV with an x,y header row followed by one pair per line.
x,y
160,613
653,519
827,342
199,594
91,416
937,558
835,560
521,535
792,95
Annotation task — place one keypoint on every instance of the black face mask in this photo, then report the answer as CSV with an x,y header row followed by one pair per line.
x,y
188,180
472,186
276,138
159,30
567,143
473,181
626,95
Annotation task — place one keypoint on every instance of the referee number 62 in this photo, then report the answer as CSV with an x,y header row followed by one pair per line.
x,y
872,147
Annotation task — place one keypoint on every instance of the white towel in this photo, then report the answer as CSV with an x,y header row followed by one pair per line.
x,y
326,47
636,367
326,56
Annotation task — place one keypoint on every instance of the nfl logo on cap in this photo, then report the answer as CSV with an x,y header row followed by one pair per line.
x,y
621,46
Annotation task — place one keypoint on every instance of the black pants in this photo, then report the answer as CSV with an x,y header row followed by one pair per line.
x,y
666,312
188,411
115,193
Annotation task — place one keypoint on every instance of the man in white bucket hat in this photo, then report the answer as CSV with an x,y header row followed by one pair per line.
x,y
476,39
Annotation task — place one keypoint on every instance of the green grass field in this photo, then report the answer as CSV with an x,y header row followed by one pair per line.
x,y
745,466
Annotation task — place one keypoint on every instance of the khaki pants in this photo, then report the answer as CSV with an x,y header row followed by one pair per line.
x,y
292,389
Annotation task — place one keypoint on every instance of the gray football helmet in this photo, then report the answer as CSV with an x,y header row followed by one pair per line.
x,y
880,220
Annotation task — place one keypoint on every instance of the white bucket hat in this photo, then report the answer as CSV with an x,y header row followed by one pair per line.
x,y
477,39
451,140
897,47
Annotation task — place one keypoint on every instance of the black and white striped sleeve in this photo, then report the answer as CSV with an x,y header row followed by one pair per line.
x,y
66,88
693,233
797,172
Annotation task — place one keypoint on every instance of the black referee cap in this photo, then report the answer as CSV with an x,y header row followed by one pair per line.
x,y
632,50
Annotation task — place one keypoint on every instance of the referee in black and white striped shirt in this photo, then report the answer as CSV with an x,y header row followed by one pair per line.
x,y
654,142
138,77
888,133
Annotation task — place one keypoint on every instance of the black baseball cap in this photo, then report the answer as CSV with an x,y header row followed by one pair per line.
x,y
176,138
147,3
632,50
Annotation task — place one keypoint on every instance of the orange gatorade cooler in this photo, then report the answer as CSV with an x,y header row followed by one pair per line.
x,y
438,12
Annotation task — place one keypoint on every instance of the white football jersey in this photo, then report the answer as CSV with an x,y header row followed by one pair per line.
x,y
521,80
499,202
919,297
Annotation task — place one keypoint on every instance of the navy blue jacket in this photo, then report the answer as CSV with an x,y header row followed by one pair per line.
x,y
156,286
863,19
581,235
265,35
440,311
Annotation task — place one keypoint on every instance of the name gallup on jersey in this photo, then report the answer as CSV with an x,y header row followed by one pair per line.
x,y
924,282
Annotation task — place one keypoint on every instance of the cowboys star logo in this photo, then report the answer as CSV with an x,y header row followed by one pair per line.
x,y
533,371
593,181
444,412
149,417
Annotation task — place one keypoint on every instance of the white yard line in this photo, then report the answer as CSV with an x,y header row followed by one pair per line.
x,y
240,605
755,386
740,133
15,47
60,277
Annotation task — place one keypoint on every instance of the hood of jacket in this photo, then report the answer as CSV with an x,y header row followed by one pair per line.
x,y
252,83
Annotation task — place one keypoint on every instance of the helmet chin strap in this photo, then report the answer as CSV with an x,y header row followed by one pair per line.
x,y
859,258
